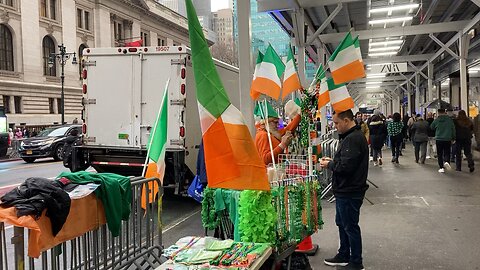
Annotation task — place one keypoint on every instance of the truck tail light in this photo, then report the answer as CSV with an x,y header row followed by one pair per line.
x,y
182,89
84,128
182,131
84,74
132,49
183,73
84,89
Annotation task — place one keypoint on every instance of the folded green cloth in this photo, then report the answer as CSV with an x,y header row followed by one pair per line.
x,y
215,244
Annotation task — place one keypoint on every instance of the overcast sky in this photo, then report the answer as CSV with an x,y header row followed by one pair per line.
x,y
219,4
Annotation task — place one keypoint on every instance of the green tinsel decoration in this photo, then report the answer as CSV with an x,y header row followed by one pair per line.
x,y
257,217
308,105
210,219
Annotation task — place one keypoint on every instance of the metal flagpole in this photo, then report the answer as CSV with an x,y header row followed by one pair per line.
x,y
155,127
265,114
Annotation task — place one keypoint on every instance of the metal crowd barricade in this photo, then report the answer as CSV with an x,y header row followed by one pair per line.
x,y
329,147
139,242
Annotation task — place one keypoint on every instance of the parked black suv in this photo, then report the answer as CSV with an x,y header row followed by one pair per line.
x,y
48,143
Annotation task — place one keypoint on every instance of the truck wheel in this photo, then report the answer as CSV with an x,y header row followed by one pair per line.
x,y
29,159
58,153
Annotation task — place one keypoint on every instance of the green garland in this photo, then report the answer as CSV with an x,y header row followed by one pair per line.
x,y
257,217
308,105
210,219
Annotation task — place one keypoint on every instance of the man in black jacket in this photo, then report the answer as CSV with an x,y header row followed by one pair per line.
x,y
349,183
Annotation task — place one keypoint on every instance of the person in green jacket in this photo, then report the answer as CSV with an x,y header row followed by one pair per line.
x,y
444,136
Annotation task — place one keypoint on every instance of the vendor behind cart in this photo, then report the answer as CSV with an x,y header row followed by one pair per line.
x,y
281,138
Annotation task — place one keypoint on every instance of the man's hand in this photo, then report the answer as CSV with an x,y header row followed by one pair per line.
x,y
324,162
287,138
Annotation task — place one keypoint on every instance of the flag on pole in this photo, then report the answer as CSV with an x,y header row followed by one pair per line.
x,y
339,96
231,159
356,43
323,95
346,62
254,94
267,79
291,81
156,148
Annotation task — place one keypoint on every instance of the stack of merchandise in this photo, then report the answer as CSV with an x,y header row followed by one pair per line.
x,y
211,253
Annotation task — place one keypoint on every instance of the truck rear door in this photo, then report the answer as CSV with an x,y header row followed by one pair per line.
x,y
112,97
160,64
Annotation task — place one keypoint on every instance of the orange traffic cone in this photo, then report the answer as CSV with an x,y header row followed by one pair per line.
x,y
307,247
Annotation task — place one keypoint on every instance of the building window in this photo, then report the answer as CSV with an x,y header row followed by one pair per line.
x,y
79,18
48,9
59,105
145,40
48,48
83,19
51,105
18,104
6,48
161,41
118,31
86,18
6,104
7,2
80,55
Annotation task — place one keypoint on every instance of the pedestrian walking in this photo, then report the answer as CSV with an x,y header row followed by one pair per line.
x,y
420,139
395,130
444,136
431,148
349,184
476,130
378,133
463,141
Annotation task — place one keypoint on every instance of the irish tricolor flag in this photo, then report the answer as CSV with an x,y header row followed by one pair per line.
x,y
291,81
254,94
231,159
346,61
267,78
156,148
158,141
323,95
339,96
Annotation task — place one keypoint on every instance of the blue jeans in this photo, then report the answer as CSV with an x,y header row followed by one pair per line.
x,y
346,218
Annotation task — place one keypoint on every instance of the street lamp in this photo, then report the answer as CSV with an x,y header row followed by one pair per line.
x,y
62,57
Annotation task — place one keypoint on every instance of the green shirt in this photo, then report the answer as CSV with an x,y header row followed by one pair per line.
x,y
115,192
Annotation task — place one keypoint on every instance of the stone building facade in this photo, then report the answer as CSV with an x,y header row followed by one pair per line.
x,y
32,29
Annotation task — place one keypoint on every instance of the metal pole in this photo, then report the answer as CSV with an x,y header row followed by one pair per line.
x,y
62,98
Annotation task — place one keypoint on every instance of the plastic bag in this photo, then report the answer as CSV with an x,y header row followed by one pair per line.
x,y
196,190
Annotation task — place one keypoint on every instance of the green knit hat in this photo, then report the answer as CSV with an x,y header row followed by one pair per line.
x,y
260,108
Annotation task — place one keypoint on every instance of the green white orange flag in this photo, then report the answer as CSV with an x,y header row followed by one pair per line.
x,y
254,94
346,63
157,145
231,159
291,81
356,43
267,78
323,94
339,96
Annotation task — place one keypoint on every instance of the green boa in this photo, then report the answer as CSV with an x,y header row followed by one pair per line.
x,y
210,219
257,217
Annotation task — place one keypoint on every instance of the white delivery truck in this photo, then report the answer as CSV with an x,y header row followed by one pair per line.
x,y
122,93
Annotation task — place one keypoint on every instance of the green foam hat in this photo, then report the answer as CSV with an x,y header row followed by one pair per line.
x,y
260,108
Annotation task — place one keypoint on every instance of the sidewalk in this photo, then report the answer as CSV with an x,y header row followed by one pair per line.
x,y
419,219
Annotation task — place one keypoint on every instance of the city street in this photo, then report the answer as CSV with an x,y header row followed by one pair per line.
x,y
176,209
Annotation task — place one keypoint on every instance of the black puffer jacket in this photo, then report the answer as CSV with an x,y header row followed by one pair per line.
x,y
378,132
350,165
36,194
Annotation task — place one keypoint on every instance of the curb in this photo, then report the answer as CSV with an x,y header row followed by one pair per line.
x,y
9,160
